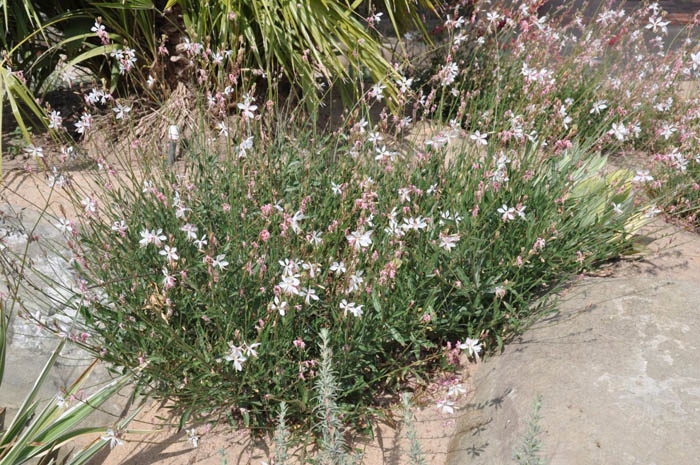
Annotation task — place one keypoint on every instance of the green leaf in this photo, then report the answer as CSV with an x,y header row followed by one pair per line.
x,y
396,335
185,416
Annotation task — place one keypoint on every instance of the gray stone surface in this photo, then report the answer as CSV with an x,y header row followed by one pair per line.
x,y
30,346
618,368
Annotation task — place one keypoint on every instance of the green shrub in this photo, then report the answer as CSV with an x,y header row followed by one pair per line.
x,y
219,275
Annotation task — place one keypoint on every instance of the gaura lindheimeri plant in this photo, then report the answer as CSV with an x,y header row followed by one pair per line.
x,y
213,276
614,76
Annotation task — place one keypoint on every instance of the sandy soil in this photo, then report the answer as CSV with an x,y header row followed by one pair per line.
x,y
221,444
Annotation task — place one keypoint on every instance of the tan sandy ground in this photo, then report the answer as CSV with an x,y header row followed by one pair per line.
x,y
389,446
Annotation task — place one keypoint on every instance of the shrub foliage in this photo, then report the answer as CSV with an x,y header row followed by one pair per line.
x,y
219,276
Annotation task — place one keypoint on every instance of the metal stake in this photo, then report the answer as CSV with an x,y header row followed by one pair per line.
x,y
173,137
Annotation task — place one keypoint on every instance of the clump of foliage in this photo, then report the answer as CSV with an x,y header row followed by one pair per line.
x,y
218,275
530,450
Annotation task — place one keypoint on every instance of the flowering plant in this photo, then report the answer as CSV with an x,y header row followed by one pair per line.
x,y
215,278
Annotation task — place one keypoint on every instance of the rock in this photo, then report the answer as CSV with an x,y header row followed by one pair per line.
x,y
617,367
30,346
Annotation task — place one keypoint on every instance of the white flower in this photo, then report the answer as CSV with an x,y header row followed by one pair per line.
x,y
34,151
642,176
447,216
446,407
359,239
383,153
89,205
181,210
309,294
64,225
60,400
617,208
657,22
377,91
312,268
236,356
220,262
404,84
97,27
146,238
170,253
112,438
394,229
492,17
55,120
122,111
479,138
151,237
97,96
157,237
223,129
472,345
376,18
168,279
279,305
315,238
200,243
448,73
404,194
351,307
456,390
294,221
619,131
250,349
356,281
599,106
55,179
652,211
150,81
695,58
67,153
290,284
289,267
244,146
190,230
84,123
247,107
414,224
521,211
338,267
119,226
667,131
192,437
459,38
336,188
448,242
507,214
